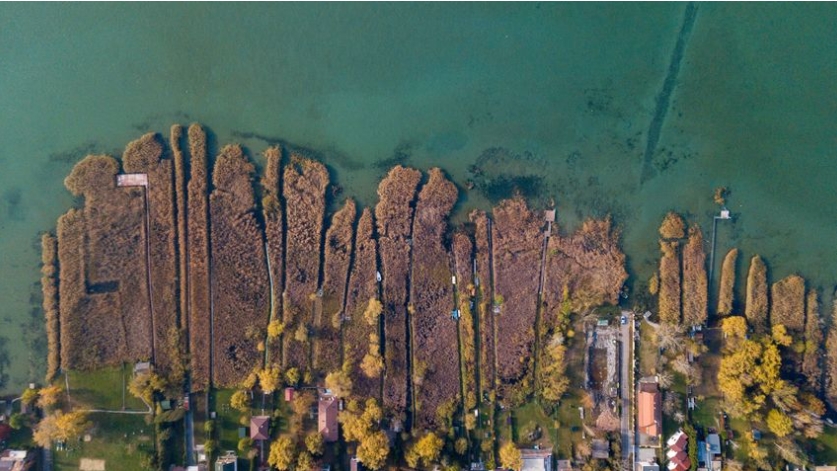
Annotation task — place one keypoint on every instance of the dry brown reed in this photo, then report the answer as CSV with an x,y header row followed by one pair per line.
x,y
517,243
275,236
463,251
145,155
363,286
726,292
787,306
73,303
755,308
200,347
175,141
338,253
304,186
673,226
434,333
239,270
589,264
394,217
114,276
811,366
695,290
49,289
485,295
669,295
831,357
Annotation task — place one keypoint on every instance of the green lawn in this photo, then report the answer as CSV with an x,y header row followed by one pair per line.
x,y
824,449
103,389
648,351
226,421
119,439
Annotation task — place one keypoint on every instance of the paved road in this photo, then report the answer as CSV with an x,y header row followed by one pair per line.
x,y
626,384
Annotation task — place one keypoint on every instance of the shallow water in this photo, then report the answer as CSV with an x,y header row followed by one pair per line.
x,y
560,95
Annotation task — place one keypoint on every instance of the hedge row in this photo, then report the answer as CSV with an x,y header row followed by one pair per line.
x,y
434,332
200,340
304,187
338,253
239,270
394,216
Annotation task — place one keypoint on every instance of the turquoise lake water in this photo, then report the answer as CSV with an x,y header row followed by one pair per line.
x,y
561,96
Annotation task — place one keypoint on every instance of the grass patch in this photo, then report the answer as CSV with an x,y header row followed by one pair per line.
x,y
824,449
649,352
103,389
226,421
119,439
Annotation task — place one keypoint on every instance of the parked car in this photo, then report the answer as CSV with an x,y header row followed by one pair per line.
x,y
623,320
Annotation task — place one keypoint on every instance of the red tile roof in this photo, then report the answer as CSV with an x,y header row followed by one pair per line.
x,y
259,427
327,418
650,416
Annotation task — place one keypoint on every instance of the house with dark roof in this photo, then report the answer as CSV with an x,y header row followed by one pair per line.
x,y
649,413
259,426
327,408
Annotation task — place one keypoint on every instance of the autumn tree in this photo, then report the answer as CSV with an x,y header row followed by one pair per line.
x,y
60,427
240,401
425,451
373,363
314,443
270,379
339,383
811,365
779,423
305,462
275,328
373,311
282,453
510,457
373,450
145,385
49,396
29,397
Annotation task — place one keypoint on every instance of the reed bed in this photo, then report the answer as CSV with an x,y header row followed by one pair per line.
x,y
589,264
434,333
695,289
811,365
239,270
726,292
755,308
304,187
200,333
275,236
394,217
830,356
363,286
485,295
49,289
673,227
338,254
517,244
669,294
463,252
115,266
145,155
180,175
787,306
73,304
